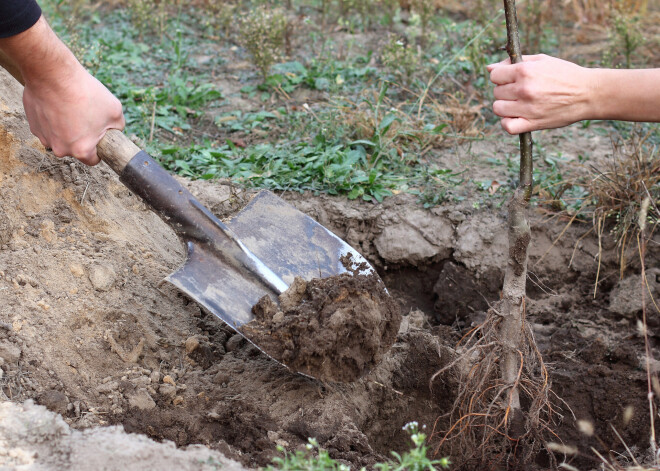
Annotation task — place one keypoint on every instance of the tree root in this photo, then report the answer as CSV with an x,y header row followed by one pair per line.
x,y
485,425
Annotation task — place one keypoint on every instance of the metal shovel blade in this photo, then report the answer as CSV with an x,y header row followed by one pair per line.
x,y
287,241
231,266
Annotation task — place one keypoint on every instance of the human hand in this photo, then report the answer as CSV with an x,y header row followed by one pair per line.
x,y
71,112
542,92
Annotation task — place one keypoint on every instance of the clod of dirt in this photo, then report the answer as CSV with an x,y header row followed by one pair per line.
x,y
102,277
9,352
334,329
55,401
626,296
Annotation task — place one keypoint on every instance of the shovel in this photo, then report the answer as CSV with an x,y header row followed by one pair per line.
x,y
229,266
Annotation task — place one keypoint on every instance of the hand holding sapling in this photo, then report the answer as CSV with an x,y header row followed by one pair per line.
x,y
544,92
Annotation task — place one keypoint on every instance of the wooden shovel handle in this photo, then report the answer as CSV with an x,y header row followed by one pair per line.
x,y
115,149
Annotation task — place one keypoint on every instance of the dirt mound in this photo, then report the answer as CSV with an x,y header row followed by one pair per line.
x,y
333,329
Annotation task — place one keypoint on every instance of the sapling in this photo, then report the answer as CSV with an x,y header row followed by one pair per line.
x,y
506,370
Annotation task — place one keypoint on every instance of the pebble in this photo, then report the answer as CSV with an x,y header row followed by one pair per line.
x,y
55,401
192,344
141,399
168,380
177,400
141,381
221,378
107,387
43,305
167,390
155,377
23,280
48,231
103,277
76,270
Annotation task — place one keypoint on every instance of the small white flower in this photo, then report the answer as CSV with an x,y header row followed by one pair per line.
x,y
410,426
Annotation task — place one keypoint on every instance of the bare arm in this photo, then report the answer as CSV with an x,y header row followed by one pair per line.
x,y
67,108
543,92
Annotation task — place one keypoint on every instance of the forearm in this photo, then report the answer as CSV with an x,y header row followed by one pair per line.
x,y
625,94
40,56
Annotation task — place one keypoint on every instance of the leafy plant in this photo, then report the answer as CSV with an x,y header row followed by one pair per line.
x,y
400,59
362,8
625,36
305,461
148,17
315,458
416,459
425,9
262,32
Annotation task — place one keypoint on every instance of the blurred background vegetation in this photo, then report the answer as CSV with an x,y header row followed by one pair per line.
x,y
366,98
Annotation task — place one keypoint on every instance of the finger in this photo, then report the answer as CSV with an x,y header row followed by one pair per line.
x,y
534,57
507,109
503,74
531,58
490,67
59,151
516,125
85,151
506,92
90,159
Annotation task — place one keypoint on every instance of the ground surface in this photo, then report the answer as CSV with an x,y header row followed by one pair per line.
x,y
89,331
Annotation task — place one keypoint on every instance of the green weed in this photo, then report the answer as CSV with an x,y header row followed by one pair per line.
x,y
425,9
315,458
262,32
316,166
625,37
400,59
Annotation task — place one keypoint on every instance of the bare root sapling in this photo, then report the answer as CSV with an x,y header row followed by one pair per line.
x,y
503,407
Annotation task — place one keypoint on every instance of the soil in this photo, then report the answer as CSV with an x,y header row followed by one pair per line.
x,y
333,329
89,331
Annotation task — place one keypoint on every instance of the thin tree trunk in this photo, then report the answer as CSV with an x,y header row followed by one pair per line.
x,y
512,308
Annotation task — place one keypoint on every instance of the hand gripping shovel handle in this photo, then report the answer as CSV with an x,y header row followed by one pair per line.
x,y
115,149
192,222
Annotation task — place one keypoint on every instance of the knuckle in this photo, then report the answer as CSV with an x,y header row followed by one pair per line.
x,y
59,151
527,91
79,149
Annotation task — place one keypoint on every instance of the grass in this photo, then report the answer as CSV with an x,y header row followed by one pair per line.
x,y
363,141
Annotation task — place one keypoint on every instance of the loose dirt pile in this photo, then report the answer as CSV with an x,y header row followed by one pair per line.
x,y
31,437
332,329
88,330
